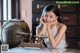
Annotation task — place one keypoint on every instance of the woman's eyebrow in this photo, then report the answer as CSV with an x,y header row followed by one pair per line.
x,y
51,15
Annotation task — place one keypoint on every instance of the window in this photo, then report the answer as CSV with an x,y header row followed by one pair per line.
x,y
9,9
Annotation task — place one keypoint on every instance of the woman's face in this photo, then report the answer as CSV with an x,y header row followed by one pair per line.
x,y
49,17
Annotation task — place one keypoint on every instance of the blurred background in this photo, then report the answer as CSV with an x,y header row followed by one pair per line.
x,y
30,11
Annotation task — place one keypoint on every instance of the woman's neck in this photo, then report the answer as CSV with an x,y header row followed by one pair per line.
x,y
54,24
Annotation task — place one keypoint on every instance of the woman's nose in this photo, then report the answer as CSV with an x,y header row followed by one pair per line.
x,y
48,19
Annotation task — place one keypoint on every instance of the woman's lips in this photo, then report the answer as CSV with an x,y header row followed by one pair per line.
x,y
49,21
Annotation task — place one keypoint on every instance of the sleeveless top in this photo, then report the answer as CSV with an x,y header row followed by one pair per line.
x,y
61,44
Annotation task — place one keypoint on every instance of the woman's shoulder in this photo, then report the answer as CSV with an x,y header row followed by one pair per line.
x,y
60,25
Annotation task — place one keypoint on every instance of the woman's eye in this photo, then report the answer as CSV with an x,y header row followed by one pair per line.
x,y
51,17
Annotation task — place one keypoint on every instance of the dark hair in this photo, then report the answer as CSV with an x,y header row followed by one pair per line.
x,y
54,9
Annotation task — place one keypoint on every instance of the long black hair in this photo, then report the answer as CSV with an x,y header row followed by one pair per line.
x,y
54,9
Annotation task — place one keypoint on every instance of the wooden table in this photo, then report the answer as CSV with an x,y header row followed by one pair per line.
x,y
39,41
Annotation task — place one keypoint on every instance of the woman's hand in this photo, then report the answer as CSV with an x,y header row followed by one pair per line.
x,y
42,21
50,24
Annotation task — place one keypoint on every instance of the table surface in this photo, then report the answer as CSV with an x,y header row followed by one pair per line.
x,y
41,50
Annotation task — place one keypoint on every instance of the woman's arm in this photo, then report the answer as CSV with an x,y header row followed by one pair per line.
x,y
41,31
54,42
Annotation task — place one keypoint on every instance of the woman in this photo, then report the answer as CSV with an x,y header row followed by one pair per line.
x,y
52,27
